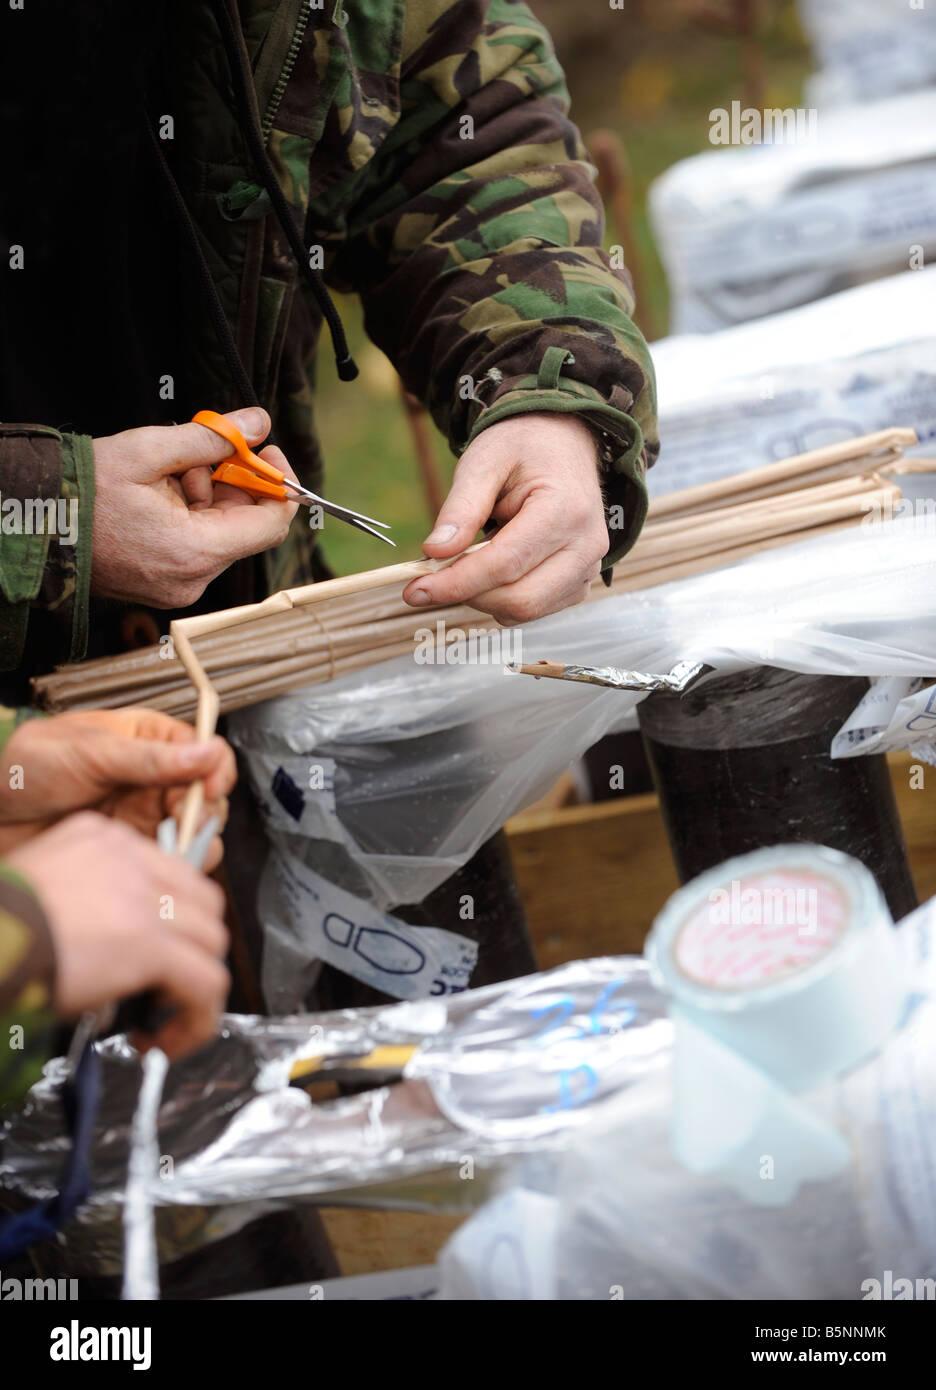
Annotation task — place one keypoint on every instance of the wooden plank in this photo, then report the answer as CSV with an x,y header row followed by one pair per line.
x,y
592,877
367,1242
915,789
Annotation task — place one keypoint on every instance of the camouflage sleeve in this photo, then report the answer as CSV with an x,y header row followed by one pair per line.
x,y
475,243
46,517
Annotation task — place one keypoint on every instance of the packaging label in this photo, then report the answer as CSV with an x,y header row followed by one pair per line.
x,y
405,961
298,794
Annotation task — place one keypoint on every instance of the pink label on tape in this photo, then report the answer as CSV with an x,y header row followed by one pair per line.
x,y
760,928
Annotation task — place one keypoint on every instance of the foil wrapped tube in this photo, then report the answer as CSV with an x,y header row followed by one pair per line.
x,y
508,1070
683,675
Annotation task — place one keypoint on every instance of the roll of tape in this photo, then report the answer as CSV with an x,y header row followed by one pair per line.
x,y
788,956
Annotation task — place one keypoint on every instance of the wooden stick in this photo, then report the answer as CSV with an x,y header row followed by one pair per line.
x,y
881,464
866,446
850,485
183,630
231,659
554,670
206,721
706,540
666,574
614,184
429,473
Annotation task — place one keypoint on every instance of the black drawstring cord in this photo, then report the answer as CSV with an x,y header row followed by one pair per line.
x,y
222,328
243,88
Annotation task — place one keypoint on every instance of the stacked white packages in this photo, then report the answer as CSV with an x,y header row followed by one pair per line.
x,y
761,228
856,362
868,49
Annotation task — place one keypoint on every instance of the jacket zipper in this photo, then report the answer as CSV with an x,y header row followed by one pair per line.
x,y
289,62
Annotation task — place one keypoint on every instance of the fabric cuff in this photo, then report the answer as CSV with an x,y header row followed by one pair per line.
x,y
620,440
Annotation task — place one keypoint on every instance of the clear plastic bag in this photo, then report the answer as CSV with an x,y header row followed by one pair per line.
x,y
426,762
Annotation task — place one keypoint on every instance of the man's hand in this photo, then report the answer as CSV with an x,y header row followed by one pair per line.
x,y
125,918
134,764
538,476
162,532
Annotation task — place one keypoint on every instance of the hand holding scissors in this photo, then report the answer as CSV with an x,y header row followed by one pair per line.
x,y
255,476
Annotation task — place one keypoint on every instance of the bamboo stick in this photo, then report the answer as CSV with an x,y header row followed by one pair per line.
x,y
710,540
183,630
685,569
864,447
179,699
231,659
849,485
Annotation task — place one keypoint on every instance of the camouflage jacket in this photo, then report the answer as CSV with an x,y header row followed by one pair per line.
x,y
27,1024
425,148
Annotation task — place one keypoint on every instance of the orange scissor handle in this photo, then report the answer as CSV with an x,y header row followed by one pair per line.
x,y
253,463
236,476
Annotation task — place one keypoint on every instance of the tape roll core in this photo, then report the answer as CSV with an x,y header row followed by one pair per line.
x,y
788,956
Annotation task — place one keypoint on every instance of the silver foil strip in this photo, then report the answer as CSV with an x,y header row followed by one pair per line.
x,y
683,675
509,1069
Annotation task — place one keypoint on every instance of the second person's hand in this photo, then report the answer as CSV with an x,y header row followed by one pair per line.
x,y
125,918
134,764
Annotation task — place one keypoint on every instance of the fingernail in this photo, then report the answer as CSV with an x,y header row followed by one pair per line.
x,y
249,421
191,754
419,597
441,534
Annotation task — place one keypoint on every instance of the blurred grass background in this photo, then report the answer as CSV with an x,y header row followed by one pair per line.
x,y
651,73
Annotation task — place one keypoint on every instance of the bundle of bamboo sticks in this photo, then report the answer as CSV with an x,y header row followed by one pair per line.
x,y
224,661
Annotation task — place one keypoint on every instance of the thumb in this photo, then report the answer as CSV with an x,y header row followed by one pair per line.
x,y
140,762
475,489
177,448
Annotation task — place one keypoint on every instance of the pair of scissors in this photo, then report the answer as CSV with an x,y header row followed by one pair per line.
x,y
261,479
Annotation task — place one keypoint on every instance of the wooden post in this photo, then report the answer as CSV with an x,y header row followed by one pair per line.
x,y
430,475
614,184
741,19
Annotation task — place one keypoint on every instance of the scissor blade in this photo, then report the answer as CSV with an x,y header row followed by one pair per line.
x,y
361,525
312,499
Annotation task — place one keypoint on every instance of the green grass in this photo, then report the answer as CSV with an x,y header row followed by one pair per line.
x,y
370,462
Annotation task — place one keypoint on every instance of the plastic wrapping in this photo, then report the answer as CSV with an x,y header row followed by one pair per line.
x,y
416,766
857,362
616,1216
868,49
757,229
504,1070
